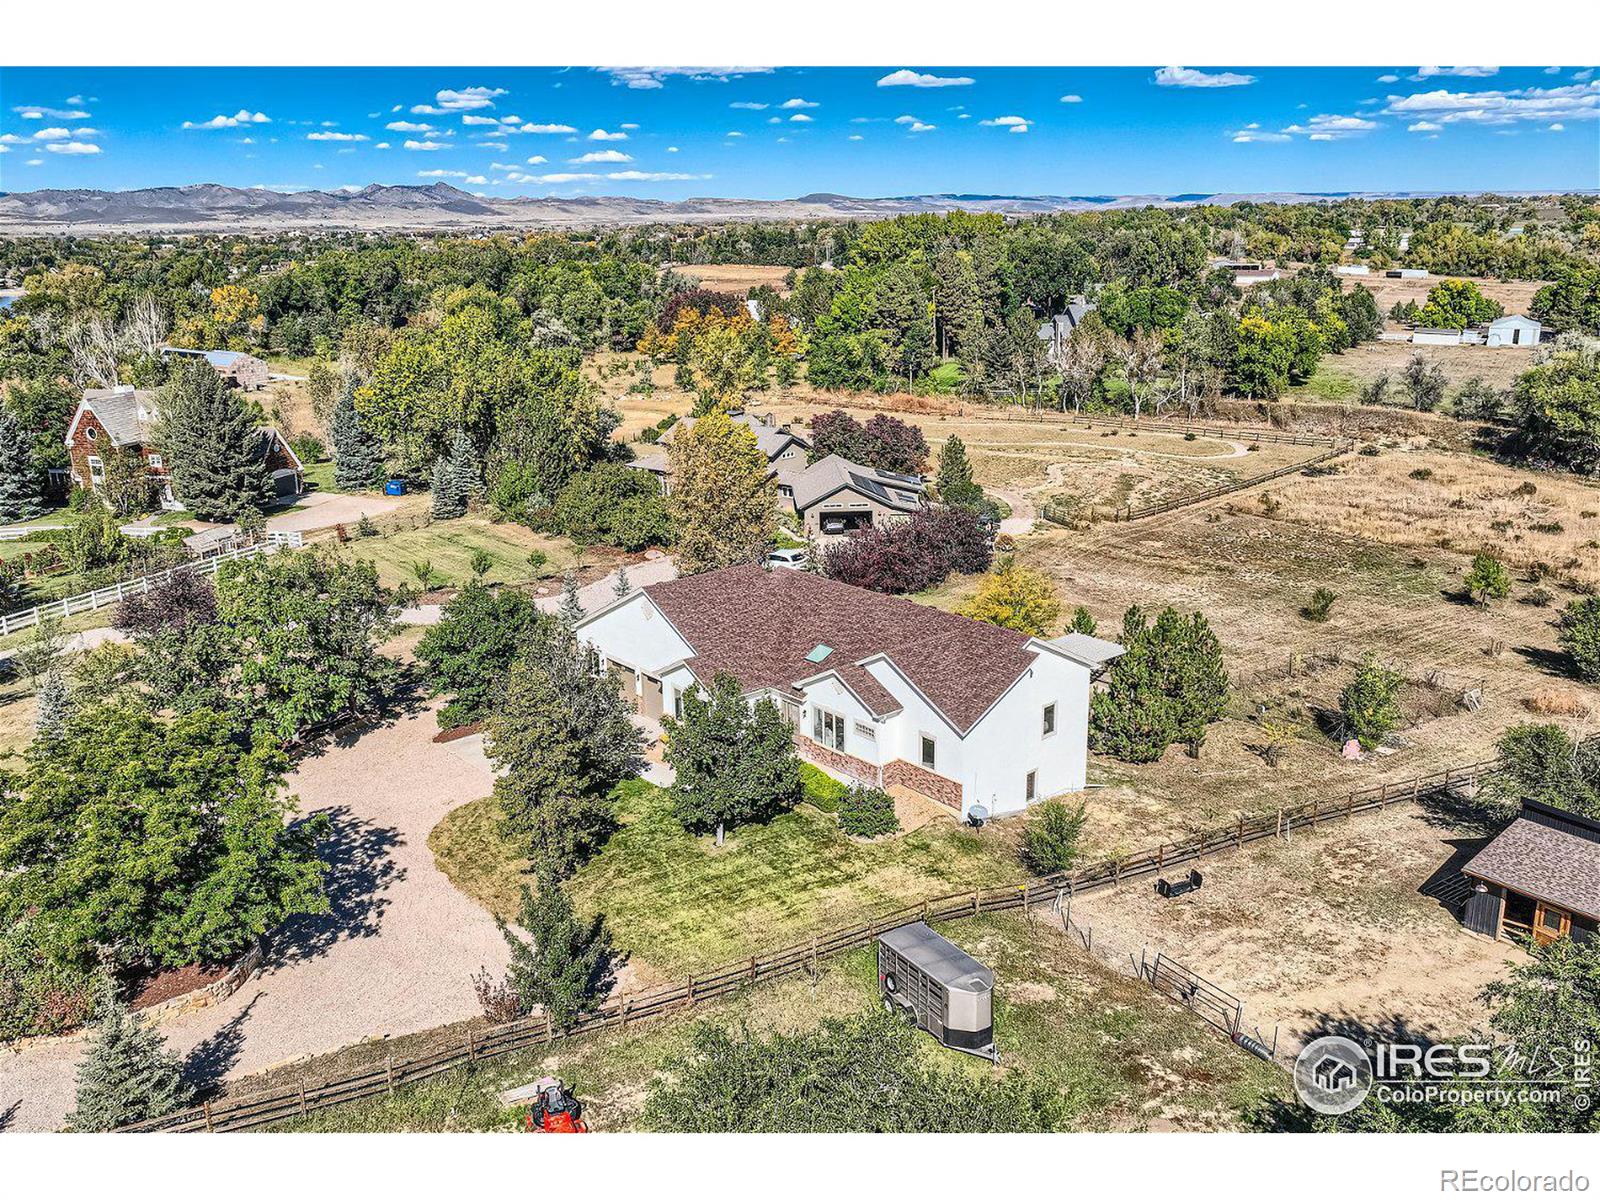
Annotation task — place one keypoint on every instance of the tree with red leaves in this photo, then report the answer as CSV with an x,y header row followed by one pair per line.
x,y
914,554
885,442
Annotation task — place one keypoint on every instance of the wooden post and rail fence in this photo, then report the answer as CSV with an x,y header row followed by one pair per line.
x,y
474,1045
113,593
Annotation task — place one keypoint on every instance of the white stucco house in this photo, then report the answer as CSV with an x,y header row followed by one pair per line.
x,y
878,689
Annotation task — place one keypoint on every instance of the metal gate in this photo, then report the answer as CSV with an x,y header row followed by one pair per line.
x,y
1204,998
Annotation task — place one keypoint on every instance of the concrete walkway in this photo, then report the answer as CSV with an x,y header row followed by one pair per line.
x,y
394,956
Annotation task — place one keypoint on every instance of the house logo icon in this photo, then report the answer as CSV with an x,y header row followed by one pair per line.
x,y
1332,1075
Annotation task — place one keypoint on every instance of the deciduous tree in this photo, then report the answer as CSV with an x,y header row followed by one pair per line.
x,y
723,504
564,965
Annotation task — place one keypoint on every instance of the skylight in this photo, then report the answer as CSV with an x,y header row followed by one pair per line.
x,y
819,652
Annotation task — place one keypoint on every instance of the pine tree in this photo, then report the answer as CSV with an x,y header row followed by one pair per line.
x,y
1167,686
448,503
214,446
571,609
623,586
1082,621
357,451
466,468
126,1074
54,705
955,476
21,487
566,966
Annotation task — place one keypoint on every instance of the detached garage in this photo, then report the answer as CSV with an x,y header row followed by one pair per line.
x,y
1538,879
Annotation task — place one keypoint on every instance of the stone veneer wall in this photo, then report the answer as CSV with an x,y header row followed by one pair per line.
x,y
848,764
935,787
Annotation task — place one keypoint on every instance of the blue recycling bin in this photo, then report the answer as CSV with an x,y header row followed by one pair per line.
x,y
395,487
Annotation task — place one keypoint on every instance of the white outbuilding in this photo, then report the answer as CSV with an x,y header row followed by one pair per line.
x,y
1513,331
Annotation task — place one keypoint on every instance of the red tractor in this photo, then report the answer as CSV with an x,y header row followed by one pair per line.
x,y
552,1108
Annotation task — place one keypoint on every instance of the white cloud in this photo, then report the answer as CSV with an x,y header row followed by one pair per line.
x,y
1388,79
799,117
855,137
414,145
409,127
752,105
1424,127
1572,102
1328,127
672,149
475,119
733,133
1547,71
602,156
431,110
477,179
456,100
1558,127
774,120
905,78
381,146
494,146
52,134
601,135
1465,72
11,139
652,176
38,112
1254,133
1584,75
442,174
33,162
537,159
630,125
1189,77
326,135
5,149
655,77
1072,98
243,117
1013,123
914,124
797,102
73,148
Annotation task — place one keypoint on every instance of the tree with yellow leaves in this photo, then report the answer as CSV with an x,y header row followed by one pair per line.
x,y
724,505
1014,597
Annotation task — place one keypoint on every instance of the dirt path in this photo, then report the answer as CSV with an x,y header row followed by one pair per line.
x,y
393,957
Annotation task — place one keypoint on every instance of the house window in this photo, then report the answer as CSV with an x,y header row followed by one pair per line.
x,y
1049,719
155,461
928,757
828,728
91,433
677,703
1032,786
97,470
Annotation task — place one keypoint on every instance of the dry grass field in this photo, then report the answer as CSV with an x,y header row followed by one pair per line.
x,y
1329,931
1514,295
1342,376
737,278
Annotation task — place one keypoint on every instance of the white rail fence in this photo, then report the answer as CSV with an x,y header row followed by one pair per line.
x,y
113,593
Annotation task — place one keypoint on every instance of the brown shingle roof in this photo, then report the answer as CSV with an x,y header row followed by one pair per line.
x,y
1548,864
758,625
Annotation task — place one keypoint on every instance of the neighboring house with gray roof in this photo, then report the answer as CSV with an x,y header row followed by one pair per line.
x,y
238,368
836,496
878,689
1058,330
1539,877
122,420
785,447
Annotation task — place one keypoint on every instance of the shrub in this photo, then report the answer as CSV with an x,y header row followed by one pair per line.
x,y
39,996
1487,579
820,789
1422,473
1015,597
867,812
1579,634
308,448
1370,705
612,505
911,555
127,1074
1050,841
1317,607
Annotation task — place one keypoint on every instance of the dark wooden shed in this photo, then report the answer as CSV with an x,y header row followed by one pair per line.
x,y
1539,878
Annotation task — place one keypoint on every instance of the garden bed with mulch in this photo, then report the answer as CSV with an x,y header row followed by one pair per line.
x,y
148,989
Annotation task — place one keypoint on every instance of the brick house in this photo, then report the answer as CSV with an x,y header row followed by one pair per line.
x,y
238,368
878,689
113,420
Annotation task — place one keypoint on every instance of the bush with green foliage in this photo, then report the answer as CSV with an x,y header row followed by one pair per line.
x,y
1370,704
865,1074
39,995
734,764
867,812
1477,400
1556,408
308,448
127,1074
563,965
1167,686
1487,579
469,653
819,789
612,505
1543,762
1320,604
1050,841
1579,634
1424,382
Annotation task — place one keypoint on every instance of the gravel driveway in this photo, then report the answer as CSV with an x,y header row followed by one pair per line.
x,y
394,956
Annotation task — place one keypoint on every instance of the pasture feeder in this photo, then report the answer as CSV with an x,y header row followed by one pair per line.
x,y
1167,889
939,987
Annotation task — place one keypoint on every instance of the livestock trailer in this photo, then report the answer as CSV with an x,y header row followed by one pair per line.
x,y
939,987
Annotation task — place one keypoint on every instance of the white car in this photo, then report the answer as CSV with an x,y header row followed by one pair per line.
x,y
794,560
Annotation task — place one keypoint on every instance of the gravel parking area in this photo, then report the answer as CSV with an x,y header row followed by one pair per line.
x,y
394,956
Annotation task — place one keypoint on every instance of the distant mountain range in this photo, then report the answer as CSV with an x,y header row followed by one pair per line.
x,y
212,207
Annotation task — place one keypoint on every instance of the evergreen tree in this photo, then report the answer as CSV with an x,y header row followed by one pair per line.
x,y
357,452
571,608
1580,637
54,705
466,469
214,446
21,486
1082,621
1167,686
449,501
623,587
127,1074
955,476
565,966
1370,703
734,764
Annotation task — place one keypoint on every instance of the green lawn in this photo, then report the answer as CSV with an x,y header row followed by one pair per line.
x,y
1122,1057
680,904
449,547
319,476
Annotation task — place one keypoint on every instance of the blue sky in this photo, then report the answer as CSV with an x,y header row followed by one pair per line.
x,y
767,133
